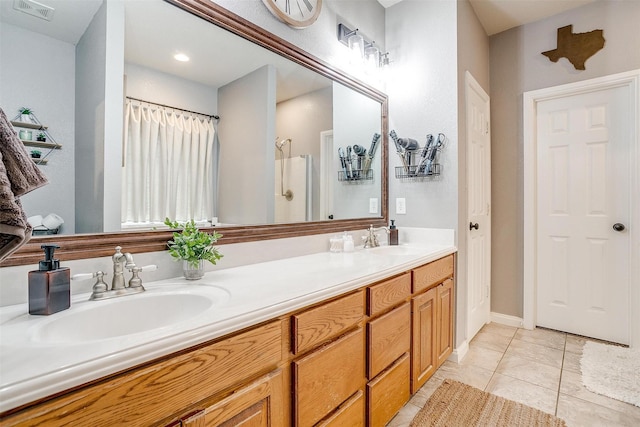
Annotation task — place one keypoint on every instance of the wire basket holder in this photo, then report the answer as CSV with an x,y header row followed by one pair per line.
x,y
420,162
356,175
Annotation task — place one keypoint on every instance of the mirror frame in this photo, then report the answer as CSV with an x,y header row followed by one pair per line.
x,y
82,246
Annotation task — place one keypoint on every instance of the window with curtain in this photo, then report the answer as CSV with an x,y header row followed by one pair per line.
x,y
170,162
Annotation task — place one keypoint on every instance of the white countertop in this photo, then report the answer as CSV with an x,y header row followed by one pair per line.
x,y
33,366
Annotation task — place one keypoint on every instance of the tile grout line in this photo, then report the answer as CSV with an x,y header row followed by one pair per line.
x,y
564,353
499,361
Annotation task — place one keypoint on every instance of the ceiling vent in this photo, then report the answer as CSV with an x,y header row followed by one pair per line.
x,y
34,8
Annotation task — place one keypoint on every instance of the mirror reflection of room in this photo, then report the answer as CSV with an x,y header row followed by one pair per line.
x,y
116,107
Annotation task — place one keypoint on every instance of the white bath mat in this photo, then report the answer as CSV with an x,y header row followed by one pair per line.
x,y
612,371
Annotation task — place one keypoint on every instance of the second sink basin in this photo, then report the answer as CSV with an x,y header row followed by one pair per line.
x,y
127,315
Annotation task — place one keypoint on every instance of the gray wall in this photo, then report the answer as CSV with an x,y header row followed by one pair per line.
x,y
247,137
155,86
99,113
422,88
351,199
516,67
29,60
320,39
306,133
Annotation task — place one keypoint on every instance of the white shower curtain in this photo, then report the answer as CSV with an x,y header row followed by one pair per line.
x,y
170,161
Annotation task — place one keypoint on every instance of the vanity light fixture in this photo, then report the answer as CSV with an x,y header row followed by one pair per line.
x,y
362,49
181,57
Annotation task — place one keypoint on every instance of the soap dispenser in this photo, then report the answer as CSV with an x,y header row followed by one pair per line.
x,y
49,286
393,233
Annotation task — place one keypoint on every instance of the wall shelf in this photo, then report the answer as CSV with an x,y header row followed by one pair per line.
x,y
34,124
26,125
41,144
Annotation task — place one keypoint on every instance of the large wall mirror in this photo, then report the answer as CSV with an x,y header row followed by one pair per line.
x,y
269,164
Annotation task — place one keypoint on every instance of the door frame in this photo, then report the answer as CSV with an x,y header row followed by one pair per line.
x,y
326,174
630,80
471,84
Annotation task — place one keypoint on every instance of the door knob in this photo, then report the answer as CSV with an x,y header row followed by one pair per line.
x,y
476,226
618,226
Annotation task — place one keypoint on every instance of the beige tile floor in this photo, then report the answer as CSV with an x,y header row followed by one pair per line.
x,y
540,368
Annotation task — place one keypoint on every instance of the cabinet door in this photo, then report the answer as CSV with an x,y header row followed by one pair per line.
x,y
327,377
259,404
423,350
444,345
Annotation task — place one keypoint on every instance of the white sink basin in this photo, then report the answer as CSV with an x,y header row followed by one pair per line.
x,y
127,315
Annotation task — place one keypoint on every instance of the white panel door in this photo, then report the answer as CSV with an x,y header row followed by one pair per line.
x,y
479,206
582,192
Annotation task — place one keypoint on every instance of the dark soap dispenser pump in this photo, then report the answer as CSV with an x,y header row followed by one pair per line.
x,y
393,233
50,285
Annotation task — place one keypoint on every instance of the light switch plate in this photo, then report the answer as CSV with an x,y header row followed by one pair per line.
x,y
401,205
373,205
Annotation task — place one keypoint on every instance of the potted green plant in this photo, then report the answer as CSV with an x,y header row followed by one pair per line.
x,y
193,247
25,114
36,154
41,136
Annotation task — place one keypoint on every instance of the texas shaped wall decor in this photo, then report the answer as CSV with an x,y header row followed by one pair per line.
x,y
576,47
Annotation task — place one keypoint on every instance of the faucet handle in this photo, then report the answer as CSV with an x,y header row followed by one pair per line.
x,y
150,267
99,288
136,281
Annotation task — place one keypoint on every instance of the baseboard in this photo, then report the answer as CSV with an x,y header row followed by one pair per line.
x,y
459,353
505,319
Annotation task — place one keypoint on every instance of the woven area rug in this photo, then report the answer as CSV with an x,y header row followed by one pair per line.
x,y
612,371
456,404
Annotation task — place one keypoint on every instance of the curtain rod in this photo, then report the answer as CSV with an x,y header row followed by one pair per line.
x,y
174,108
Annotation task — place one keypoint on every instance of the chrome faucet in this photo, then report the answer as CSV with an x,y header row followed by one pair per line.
x,y
120,262
119,287
371,239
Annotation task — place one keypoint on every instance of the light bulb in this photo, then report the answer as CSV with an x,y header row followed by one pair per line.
x,y
372,56
356,44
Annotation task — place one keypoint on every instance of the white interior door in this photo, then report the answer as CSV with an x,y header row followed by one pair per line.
x,y
479,204
583,184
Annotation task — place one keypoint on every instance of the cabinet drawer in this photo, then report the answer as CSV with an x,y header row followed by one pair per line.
x,y
327,377
432,273
388,293
388,393
327,321
349,414
388,337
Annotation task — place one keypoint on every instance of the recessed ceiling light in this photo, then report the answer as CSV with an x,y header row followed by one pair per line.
x,y
181,57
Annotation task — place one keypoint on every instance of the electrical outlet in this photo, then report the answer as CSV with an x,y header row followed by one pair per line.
x,y
373,205
401,205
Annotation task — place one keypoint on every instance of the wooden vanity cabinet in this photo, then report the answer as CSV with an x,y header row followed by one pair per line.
x,y
353,360
432,319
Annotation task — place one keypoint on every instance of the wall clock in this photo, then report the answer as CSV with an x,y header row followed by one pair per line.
x,y
296,13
